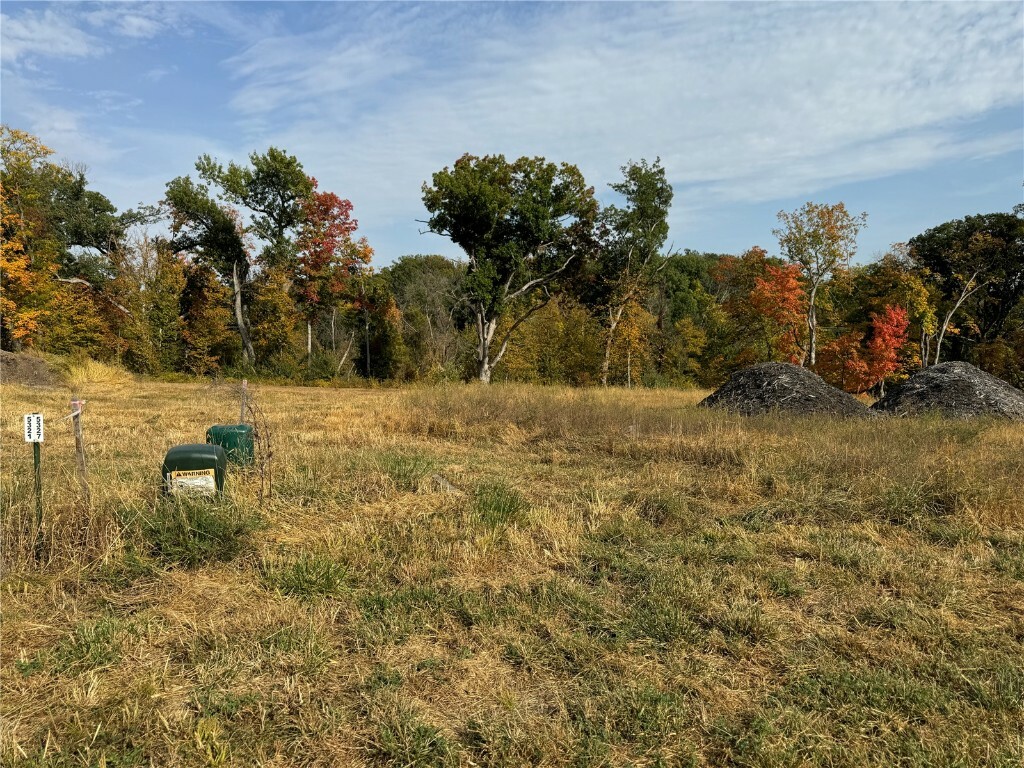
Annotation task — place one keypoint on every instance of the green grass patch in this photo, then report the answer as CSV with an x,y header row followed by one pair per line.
x,y
401,739
192,532
310,575
405,470
498,505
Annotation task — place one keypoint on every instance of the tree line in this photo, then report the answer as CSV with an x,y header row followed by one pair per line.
x,y
258,270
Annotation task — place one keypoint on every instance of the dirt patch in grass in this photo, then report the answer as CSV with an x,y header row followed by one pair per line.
x,y
27,369
957,390
772,387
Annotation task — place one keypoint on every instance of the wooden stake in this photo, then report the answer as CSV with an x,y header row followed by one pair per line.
x,y
83,471
245,392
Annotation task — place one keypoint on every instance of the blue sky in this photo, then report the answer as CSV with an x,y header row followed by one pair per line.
x,y
913,112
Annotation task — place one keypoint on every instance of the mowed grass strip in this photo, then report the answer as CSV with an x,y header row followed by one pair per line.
x,y
512,576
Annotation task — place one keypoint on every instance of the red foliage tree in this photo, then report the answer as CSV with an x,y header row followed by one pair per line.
x,y
849,364
888,338
328,256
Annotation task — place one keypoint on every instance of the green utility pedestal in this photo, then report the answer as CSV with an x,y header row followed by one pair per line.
x,y
235,439
195,468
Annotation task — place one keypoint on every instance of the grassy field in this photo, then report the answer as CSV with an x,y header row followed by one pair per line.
x,y
514,576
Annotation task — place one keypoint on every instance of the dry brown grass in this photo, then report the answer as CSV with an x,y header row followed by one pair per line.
x,y
519,575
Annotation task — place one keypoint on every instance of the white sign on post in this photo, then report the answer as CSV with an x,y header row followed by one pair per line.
x,y
33,427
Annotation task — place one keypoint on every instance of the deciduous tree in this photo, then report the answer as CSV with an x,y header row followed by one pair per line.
x,y
214,234
522,226
327,255
820,238
887,343
781,302
275,189
630,252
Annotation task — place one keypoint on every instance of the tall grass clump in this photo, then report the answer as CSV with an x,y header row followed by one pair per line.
x,y
308,576
87,371
498,505
194,531
405,470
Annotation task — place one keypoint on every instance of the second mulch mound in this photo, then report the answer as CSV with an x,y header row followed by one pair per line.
x,y
772,387
26,368
958,390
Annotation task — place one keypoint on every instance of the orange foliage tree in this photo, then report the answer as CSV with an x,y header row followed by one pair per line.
x,y
779,298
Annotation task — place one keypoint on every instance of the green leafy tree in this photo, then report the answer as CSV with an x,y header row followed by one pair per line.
x,y
214,234
382,353
630,253
429,293
206,313
693,331
559,344
978,265
275,189
166,283
522,225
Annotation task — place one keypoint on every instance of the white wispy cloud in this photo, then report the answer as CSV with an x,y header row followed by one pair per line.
x,y
44,34
156,74
742,103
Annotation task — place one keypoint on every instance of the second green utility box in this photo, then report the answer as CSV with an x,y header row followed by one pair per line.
x,y
235,439
195,468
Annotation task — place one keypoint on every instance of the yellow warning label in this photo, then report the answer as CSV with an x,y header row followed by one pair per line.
x,y
183,473
194,480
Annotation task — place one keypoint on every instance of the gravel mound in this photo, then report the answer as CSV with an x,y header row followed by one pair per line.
x,y
771,387
26,368
958,390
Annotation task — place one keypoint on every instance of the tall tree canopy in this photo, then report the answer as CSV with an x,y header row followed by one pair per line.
x,y
58,236
983,252
522,225
630,252
215,235
275,189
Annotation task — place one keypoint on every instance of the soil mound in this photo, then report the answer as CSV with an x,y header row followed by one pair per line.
x,y
771,387
958,390
26,368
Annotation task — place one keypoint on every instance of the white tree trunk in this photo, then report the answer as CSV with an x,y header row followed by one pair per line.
x,y
243,326
964,294
614,316
812,327
485,328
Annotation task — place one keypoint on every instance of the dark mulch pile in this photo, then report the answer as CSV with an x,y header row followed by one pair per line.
x,y
771,387
959,390
26,368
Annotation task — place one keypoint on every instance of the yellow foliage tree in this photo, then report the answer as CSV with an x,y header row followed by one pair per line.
x,y
28,251
633,351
